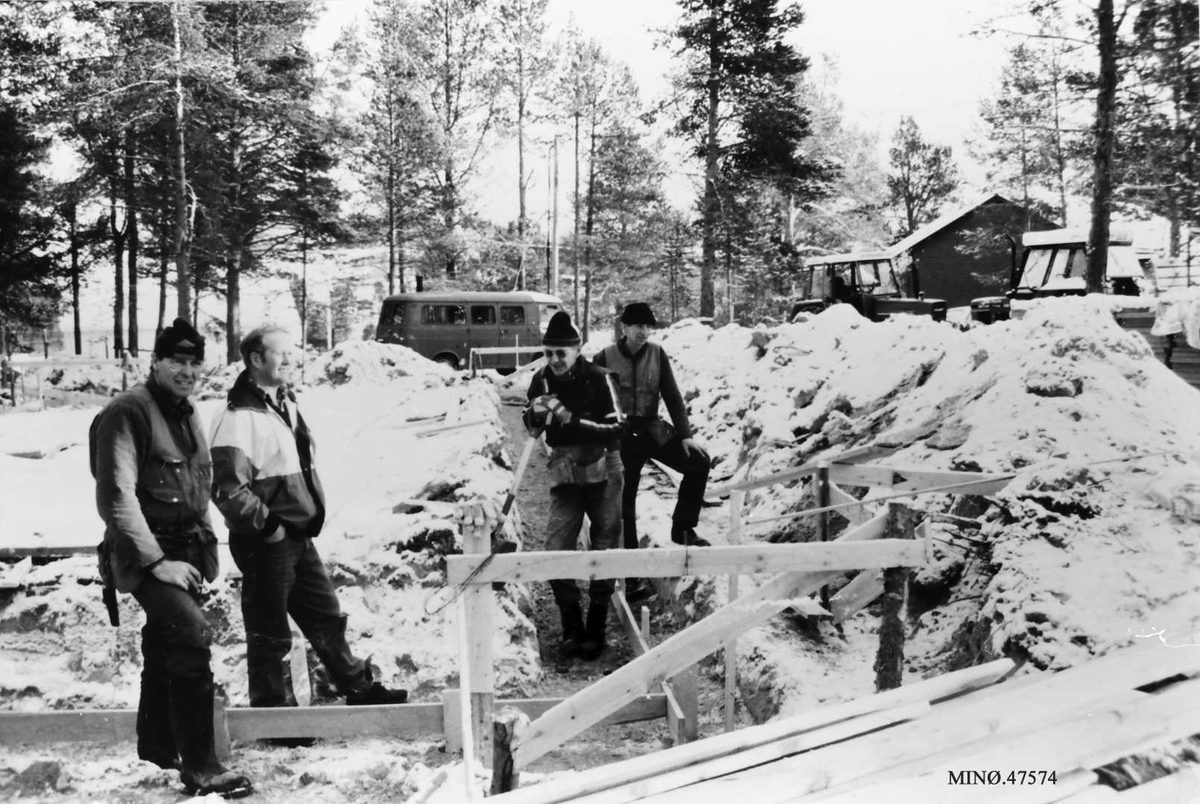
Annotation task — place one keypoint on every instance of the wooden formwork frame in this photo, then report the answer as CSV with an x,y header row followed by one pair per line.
x,y
810,566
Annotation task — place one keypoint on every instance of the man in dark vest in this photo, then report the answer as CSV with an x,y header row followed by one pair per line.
x,y
644,375
576,404
265,484
152,469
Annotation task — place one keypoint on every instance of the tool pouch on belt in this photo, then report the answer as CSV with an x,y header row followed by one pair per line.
x,y
107,584
578,465
658,432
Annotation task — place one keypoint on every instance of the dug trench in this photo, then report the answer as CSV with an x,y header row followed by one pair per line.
x,y
562,678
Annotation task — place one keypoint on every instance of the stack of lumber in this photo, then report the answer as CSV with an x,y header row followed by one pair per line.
x,y
965,736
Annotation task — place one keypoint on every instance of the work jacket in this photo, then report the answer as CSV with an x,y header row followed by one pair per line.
x,y
644,378
264,472
586,391
152,468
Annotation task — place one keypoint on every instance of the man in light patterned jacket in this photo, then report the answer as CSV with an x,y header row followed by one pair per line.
x,y
266,485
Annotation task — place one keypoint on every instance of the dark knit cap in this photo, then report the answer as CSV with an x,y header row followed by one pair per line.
x,y
561,332
179,340
638,313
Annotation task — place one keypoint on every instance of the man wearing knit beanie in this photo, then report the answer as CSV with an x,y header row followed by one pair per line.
x,y
575,403
644,376
152,468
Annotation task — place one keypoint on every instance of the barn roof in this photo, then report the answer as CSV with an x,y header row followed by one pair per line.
x,y
941,222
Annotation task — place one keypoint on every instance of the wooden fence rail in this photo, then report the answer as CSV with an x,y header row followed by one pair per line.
x,y
804,568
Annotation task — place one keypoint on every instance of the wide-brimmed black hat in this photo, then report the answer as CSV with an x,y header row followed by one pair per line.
x,y
561,332
638,314
179,340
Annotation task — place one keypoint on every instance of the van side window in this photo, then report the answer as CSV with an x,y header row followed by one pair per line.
x,y
443,314
512,314
483,314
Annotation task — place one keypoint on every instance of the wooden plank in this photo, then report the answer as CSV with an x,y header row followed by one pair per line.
x,y
1179,786
951,758
804,470
1096,794
674,654
935,689
686,726
852,597
684,784
937,790
676,562
1067,691
61,550
476,665
81,725
909,478
445,428
1094,736
408,720
736,500
857,511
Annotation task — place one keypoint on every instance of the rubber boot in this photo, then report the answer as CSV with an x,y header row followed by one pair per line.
x,y
192,724
155,741
572,630
593,642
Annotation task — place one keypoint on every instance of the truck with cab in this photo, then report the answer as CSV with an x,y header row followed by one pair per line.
x,y
1054,263
867,281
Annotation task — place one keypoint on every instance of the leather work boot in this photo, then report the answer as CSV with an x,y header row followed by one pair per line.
x,y
639,590
593,642
225,783
687,537
572,630
375,694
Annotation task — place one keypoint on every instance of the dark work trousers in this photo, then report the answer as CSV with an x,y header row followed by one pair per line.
x,y
174,720
288,577
636,449
601,502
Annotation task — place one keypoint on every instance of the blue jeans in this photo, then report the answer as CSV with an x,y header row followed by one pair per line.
x,y
288,577
602,504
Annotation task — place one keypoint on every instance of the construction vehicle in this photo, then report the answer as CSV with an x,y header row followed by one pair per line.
x,y
867,281
1054,263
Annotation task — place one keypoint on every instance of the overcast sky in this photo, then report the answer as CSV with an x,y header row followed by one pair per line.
x,y
894,57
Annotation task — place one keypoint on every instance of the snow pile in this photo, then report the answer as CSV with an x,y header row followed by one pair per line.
x,y
107,379
375,363
1083,551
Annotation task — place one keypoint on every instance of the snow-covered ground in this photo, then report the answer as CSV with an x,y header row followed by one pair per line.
x,y
1093,545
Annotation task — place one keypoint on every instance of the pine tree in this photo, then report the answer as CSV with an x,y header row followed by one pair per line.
x,y
1023,141
1159,124
743,115
923,176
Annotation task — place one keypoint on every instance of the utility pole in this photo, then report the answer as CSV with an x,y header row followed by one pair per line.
x,y
575,237
554,226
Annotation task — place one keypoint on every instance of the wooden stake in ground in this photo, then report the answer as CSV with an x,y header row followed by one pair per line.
x,y
506,730
889,662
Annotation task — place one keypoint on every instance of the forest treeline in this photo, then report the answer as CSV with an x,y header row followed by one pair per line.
x,y
184,146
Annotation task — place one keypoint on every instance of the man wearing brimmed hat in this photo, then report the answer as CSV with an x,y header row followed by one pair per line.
x,y
576,403
644,375
152,468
